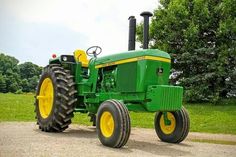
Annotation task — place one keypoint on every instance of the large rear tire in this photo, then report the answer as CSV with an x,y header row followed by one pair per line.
x,y
113,124
178,128
55,99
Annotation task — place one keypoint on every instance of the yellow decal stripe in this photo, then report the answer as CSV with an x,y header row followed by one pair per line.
x,y
133,60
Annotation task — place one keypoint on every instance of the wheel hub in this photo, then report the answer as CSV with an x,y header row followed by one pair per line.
x,y
168,129
107,124
45,98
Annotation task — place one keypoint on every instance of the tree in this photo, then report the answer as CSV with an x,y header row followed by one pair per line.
x,y
33,83
200,35
14,77
13,87
8,62
3,86
25,85
29,70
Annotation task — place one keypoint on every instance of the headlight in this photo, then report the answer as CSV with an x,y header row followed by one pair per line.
x,y
64,58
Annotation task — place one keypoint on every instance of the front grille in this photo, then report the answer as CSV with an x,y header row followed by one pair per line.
x,y
164,98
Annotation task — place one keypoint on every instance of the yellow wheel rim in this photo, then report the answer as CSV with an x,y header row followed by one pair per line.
x,y
45,98
107,124
168,129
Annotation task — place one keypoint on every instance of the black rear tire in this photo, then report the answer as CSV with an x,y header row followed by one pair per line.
x,y
64,99
121,131
181,130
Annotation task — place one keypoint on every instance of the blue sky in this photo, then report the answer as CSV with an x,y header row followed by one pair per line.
x,y
32,30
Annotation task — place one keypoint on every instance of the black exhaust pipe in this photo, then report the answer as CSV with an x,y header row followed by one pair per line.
x,y
132,33
146,16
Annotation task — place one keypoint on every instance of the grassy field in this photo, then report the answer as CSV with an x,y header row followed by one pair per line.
x,y
204,117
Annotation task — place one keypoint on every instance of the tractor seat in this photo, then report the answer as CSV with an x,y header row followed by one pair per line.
x,y
80,56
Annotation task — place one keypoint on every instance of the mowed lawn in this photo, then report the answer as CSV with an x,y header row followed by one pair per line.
x,y
204,117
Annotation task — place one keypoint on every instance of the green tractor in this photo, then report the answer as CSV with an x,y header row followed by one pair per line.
x,y
107,88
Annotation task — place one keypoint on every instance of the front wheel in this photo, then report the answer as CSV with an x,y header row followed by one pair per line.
x,y
113,124
173,129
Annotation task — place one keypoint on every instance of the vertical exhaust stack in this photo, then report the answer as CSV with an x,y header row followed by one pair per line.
x,y
132,33
146,16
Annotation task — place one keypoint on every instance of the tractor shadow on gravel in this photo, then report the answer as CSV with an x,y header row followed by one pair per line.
x,y
78,132
154,147
158,148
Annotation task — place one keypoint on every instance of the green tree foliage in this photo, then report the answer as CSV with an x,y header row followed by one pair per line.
x,y
29,70
25,85
200,35
29,73
8,64
3,85
17,77
33,81
13,87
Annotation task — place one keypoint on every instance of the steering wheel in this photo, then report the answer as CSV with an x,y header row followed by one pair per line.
x,y
94,51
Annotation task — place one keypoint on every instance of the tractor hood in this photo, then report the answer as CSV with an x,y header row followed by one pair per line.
x,y
132,56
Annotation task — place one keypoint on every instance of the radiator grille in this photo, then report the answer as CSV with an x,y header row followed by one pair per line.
x,y
164,98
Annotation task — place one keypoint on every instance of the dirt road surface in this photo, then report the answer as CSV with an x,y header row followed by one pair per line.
x,y
24,139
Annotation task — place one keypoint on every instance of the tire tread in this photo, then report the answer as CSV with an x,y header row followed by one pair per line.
x,y
64,101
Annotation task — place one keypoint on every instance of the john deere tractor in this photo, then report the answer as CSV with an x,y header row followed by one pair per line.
x,y
107,88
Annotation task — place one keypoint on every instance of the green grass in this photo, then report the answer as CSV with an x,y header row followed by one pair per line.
x,y
214,119
16,107
204,117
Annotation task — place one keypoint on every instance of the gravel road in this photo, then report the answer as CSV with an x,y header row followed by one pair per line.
x,y
23,139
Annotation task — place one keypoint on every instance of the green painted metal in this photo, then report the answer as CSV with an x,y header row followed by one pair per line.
x,y
125,97
142,85
157,98
136,107
108,80
93,74
135,99
127,77
132,54
164,98
166,120
55,60
134,76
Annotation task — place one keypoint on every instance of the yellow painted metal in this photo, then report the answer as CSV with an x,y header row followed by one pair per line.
x,y
168,129
157,59
107,124
134,60
80,56
45,98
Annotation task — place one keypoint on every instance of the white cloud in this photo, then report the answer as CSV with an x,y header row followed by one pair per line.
x,y
103,22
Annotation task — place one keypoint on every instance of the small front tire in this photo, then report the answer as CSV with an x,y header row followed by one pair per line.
x,y
178,128
113,124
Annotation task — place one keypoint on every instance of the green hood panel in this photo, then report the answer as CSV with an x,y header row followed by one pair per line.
x,y
132,54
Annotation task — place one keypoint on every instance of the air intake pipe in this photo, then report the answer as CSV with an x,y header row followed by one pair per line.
x,y
146,16
132,33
